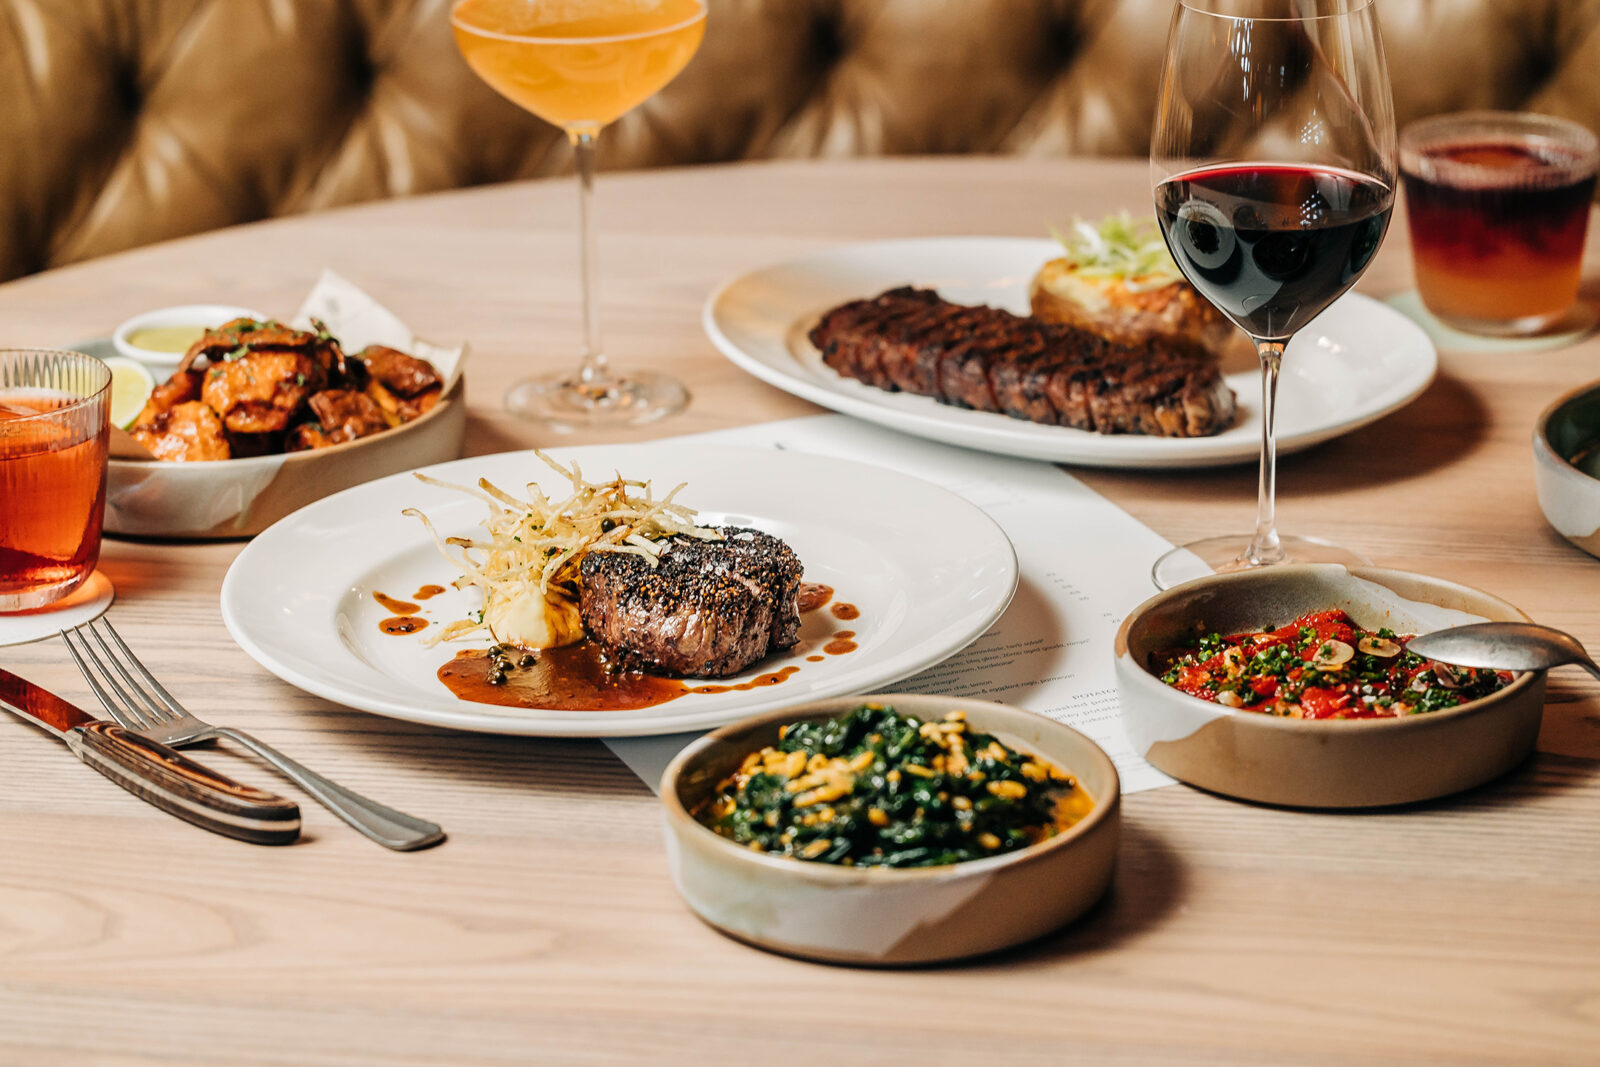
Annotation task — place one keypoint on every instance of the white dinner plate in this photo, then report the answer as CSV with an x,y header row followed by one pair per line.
x,y
928,571
1356,362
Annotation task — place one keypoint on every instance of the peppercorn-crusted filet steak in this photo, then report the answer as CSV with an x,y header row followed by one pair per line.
x,y
707,608
913,340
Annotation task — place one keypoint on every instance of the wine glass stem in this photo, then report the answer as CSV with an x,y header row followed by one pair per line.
x,y
594,376
1264,546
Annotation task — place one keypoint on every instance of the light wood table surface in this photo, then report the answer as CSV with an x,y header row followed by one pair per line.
x,y
546,929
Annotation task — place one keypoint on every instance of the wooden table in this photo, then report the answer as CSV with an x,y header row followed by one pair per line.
x,y
546,929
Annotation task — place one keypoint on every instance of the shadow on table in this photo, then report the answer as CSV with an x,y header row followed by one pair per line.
x,y
1149,884
1444,424
1542,776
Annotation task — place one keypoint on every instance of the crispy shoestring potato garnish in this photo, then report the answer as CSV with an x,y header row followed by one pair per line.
x,y
527,566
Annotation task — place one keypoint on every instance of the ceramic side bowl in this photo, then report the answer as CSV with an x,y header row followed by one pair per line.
x,y
1352,763
242,497
1566,466
891,917
162,364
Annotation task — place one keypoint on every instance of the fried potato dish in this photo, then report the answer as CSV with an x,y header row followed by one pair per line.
x,y
250,388
1117,279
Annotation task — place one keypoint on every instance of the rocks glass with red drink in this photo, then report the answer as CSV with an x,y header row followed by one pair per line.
x,y
55,410
1498,204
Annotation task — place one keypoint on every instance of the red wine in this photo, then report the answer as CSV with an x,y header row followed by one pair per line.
x,y
1272,244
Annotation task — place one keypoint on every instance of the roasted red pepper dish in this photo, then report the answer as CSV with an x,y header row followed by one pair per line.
x,y
1322,666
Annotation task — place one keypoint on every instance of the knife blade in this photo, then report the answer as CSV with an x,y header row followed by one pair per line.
x,y
155,773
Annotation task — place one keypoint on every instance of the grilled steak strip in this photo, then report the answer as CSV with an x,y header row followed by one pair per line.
x,y
991,360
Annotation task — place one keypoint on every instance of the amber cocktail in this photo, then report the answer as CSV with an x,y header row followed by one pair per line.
x,y
54,430
1499,205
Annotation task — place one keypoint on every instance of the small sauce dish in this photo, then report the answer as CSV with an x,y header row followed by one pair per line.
x,y
159,338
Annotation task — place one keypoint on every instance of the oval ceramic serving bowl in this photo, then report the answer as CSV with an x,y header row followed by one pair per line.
x,y
242,497
1351,763
891,917
1566,466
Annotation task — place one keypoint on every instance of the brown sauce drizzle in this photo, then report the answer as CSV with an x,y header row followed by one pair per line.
x,y
402,624
760,680
812,595
576,678
842,642
396,605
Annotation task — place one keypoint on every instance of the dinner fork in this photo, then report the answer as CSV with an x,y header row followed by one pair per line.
x,y
146,708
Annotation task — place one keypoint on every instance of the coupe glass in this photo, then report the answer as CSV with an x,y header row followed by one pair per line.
x,y
1273,166
581,64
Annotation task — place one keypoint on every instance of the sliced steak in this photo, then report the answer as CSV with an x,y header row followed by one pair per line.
x,y
707,609
991,360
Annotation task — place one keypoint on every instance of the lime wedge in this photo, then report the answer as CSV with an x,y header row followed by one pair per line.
x,y
131,385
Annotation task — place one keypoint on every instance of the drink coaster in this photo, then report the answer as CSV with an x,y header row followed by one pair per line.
x,y
86,603
1579,323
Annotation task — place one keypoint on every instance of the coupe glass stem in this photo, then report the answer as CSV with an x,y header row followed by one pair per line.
x,y
595,376
1264,546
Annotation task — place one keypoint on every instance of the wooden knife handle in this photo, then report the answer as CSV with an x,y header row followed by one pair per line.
x,y
182,787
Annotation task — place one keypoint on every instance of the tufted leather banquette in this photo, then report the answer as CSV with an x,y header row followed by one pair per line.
x,y
130,121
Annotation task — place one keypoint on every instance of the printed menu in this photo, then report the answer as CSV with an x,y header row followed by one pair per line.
x,y
1085,563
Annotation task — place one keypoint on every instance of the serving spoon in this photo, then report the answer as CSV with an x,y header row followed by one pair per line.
x,y
1506,646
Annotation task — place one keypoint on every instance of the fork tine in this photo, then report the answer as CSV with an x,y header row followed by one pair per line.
x,y
160,690
133,692
134,698
122,710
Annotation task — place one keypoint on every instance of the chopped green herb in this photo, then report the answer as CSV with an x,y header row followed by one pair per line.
x,y
874,788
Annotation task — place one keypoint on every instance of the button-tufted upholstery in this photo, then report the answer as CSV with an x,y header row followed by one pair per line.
x,y
129,121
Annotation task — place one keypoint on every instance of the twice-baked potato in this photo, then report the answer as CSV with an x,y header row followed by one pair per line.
x,y
1118,279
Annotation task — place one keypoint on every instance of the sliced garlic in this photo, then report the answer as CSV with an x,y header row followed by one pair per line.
x,y
1378,646
1332,655
1229,699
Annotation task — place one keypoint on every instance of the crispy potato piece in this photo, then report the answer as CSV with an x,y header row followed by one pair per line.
x,y
260,391
424,401
1174,313
232,336
305,437
346,415
387,402
181,388
185,432
401,374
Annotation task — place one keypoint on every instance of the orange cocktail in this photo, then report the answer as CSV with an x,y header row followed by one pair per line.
x,y
578,64
1499,204
54,428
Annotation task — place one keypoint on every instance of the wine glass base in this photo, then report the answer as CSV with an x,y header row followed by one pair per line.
x,y
1221,555
563,402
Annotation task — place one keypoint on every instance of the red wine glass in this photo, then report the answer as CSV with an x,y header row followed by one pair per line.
x,y
1273,165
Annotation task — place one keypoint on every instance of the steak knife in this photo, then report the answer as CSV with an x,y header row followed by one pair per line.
x,y
155,773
